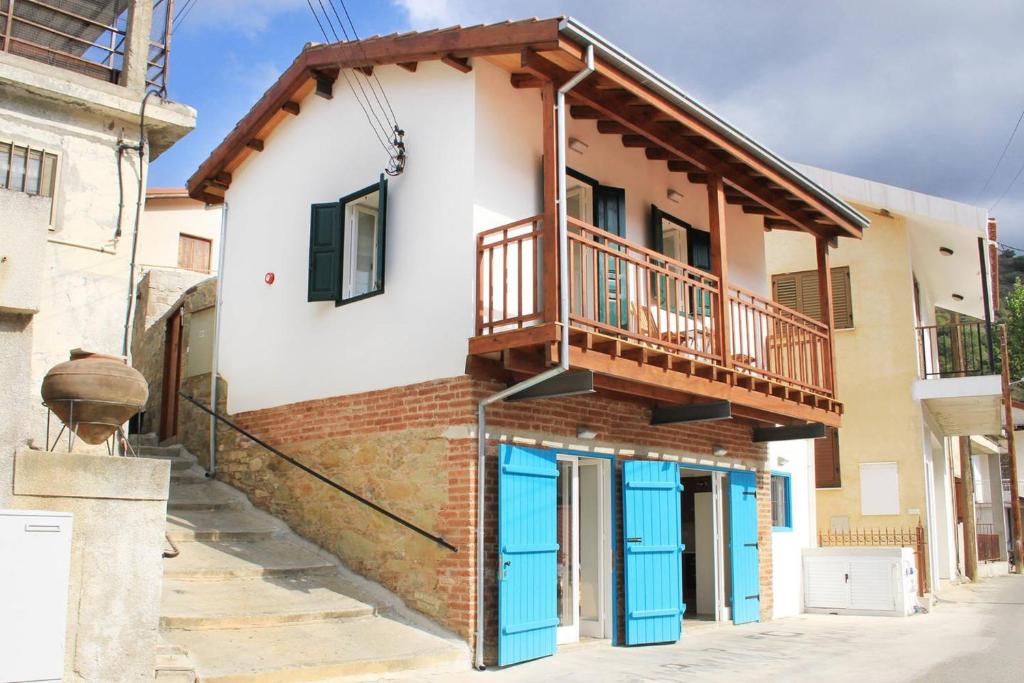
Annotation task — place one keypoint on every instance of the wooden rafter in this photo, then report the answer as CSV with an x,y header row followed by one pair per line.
x,y
291,107
458,63
409,66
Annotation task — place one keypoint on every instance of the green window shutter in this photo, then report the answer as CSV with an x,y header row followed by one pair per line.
x,y
657,237
325,248
382,223
611,209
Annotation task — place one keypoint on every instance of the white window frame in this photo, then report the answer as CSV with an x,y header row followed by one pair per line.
x,y
351,247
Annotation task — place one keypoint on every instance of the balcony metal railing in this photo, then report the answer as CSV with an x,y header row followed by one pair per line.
x,y
622,290
85,36
956,350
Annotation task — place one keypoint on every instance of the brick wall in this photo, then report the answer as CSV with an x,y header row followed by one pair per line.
x,y
413,450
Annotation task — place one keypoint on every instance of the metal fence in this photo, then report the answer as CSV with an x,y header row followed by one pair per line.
x,y
957,350
915,538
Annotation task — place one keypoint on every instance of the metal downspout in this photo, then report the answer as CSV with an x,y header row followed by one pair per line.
x,y
563,354
212,469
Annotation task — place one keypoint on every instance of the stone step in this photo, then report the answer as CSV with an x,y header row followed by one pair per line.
x,y
188,476
172,664
313,651
239,603
200,493
179,458
149,439
218,525
212,560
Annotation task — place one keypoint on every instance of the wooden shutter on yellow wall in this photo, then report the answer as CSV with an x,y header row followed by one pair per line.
x,y
842,301
826,460
799,291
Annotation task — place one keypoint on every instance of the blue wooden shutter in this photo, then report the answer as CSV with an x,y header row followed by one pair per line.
x,y
746,583
527,557
653,551
325,252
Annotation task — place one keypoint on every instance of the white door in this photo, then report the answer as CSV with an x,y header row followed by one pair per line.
x,y
584,548
568,516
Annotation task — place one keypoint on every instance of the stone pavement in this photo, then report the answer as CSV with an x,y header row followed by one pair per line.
x,y
975,633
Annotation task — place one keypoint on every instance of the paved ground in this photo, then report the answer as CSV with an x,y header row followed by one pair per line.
x,y
976,634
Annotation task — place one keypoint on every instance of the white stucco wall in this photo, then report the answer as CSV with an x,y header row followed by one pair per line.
x,y
795,458
277,348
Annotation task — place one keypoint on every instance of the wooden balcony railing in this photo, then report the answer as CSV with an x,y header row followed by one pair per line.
x,y
625,291
622,289
777,343
508,277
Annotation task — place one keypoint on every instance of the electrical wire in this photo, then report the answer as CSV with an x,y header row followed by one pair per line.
x,y
355,38
182,14
394,151
1008,188
1001,156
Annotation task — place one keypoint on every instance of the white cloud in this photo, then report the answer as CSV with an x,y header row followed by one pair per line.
x,y
428,13
250,17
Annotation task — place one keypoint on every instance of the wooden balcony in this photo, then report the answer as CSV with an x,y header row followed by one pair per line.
x,y
648,326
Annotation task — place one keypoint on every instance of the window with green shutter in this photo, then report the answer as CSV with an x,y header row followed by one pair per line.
x,y
799,291
347,241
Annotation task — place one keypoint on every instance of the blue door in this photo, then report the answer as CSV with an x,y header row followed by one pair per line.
x,y
746,584
527,554
653,552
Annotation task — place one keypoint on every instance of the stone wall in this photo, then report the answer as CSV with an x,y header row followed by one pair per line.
x,y
160,294
413,450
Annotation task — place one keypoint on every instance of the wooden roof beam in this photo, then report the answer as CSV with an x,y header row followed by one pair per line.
x,y
255,144
409,66
578,112
457,63
611,127
525,81
291,107
598,104
611,74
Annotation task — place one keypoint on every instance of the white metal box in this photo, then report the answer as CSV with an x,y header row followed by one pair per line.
x,y
879,581
35,561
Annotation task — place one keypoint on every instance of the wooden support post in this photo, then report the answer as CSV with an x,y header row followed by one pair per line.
x,y
967,496
827,314
550,197
1011,448
720,264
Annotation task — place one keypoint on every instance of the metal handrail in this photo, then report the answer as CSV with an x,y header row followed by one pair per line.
x,y
309,470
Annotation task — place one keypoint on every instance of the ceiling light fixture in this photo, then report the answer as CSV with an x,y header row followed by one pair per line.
x,y
577,145
958,297
945,251
675,196
719,451
588,433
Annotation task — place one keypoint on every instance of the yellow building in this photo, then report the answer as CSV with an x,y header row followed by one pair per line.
x,y
914,362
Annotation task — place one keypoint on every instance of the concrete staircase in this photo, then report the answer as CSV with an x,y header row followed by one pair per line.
x,y
245,599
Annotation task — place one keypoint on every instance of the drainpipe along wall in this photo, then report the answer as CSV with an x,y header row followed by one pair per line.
x,y
563,365
211,469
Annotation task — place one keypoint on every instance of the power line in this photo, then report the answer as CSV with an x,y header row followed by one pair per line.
x,y
376,128
1001,156
182,14
1008,187
360,44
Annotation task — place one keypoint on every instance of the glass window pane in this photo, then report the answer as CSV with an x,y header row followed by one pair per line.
x,y
365,251
18,169
48,174
779,501
5,163
35,163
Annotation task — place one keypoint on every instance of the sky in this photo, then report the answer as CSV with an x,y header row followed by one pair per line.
x,y
921,94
